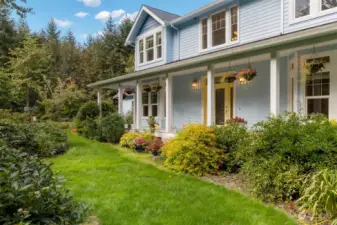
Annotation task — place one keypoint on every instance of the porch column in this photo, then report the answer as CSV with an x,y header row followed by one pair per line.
x,y
120,100
275,84
210,95
168,89
99,101
138,106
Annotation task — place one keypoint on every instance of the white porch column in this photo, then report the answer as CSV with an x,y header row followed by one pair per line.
x,y
210,95
120,100
274,84
162,103
138,105
168,88
99,101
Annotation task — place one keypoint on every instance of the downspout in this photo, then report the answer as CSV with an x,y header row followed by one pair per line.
x,y
282,17
178,31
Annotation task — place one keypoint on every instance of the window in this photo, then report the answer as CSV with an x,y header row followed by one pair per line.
x,y
149,49
154,103
204,33
234,23
141,51
150,104
145,100
219,29
317,93
159,45
328,4
302,8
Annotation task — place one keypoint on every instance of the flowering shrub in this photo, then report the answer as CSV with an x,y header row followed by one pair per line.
x,y
128,139
141,142
155,146
236,120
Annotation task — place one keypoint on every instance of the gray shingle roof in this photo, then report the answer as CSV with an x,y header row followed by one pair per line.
x,y
165,16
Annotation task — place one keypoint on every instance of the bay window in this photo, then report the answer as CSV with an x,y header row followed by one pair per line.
x,y
150,47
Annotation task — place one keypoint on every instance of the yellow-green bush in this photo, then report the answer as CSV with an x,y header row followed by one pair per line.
x,y
193,151
128,139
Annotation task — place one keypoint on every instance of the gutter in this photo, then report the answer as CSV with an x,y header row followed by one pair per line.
x,y
178,31
281,42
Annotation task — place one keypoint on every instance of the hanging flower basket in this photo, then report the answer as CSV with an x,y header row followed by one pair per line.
x,y
249,74
156,87
147,88
316,65
230,77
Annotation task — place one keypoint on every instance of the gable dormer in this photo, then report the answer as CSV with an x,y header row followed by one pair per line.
x,y
149,36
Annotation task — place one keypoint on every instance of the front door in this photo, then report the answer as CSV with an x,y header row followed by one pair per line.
x,y
223,102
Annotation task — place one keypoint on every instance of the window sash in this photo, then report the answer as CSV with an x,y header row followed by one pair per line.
x,y
159,45
301,8
234,23
204,33
328,4
150,104
141,51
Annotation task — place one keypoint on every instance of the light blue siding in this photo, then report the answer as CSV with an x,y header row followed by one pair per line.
x,y
316,21
189,40
148,25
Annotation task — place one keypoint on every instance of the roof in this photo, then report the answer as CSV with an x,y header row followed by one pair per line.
x,y
281,42
163,15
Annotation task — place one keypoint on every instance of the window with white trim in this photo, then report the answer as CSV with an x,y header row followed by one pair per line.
x,y
234,23
150,47
302,8
150,104
141,51
159,45
328,4
219,29
305,9
204,28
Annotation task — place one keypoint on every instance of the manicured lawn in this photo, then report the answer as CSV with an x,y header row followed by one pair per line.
x,y
125,191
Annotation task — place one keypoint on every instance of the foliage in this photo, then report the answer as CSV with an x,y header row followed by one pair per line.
x,y
156,145
90,129
128,139
286,148
112,128
230,139
193,151
30,193
320,193
19,9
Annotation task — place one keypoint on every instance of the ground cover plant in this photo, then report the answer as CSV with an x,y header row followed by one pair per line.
x,y
126,191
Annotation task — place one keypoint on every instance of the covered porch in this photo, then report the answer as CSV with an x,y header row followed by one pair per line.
x,y
194,91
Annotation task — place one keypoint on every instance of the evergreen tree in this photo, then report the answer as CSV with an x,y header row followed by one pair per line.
x,y
12,5
8,35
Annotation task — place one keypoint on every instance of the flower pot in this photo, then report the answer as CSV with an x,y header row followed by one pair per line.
x,y
139,148
155,153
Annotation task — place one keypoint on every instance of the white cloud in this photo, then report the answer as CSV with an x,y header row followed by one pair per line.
x,y
131,16
104,15
117,13
63,23
81,14
91,3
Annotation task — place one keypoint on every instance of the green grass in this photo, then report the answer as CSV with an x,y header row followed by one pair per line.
x,y
124,190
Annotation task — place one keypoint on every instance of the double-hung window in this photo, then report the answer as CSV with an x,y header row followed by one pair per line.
x,y
317,92
234,23
150,48
204,34
150,104
302,8
305,8
328,4
219,29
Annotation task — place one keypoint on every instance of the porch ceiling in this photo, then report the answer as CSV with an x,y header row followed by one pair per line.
x,y
282,42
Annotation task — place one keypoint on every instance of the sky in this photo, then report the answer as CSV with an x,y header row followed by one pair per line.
x,y
84,17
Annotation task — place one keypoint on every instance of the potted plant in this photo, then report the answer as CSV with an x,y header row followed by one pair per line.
x,y
238,120
140,144
315,65
146,88
155,146
156,87
248,74
153,125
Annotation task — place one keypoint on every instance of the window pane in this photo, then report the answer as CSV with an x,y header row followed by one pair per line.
x,y
141,51
154,98
150,55
302,8
145,98
318,106
159,52
219,28
141,57
234,23
159,45
318,84
204,33
159,38
145,110
329,4
155,110
149,42
141,45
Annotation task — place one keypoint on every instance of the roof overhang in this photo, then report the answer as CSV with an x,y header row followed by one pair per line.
x,y
141,16
282,42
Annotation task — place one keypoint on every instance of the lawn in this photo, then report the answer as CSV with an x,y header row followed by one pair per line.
x,y
126,191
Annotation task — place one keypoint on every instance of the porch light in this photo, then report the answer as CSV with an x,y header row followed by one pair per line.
x,y
243,81
195,84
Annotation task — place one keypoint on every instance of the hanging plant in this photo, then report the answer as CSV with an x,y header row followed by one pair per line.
x,y
146,88
248,74
316,65
156,87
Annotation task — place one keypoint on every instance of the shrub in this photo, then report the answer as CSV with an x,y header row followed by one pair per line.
x,y
319,193
112,128
193,151
30,194
90,129
230,139
286,148
128,139
155,146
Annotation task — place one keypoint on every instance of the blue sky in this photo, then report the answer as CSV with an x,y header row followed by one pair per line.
x,y
86,17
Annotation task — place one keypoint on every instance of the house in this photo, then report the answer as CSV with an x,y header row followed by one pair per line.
x,y
200,67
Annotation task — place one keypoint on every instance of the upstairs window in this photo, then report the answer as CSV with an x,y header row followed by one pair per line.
x,y
302,8
149,49
328,4
234,23
141,51
219,28
204,38
159,45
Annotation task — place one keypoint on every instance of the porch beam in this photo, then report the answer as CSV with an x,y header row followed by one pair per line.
x,y
168,89
210,95
274,83
138,107
99,102
120,99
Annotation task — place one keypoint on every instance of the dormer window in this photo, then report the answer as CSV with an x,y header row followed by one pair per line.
x,y
150,47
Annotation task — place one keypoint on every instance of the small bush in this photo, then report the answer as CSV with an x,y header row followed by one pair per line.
x,y
90,129
128,139
193,151
29,192
112,128
230,139
284,150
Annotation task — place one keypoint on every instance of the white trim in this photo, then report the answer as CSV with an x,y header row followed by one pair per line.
x,y
282,16
168,89
154,15
274,84
210,96
138,104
